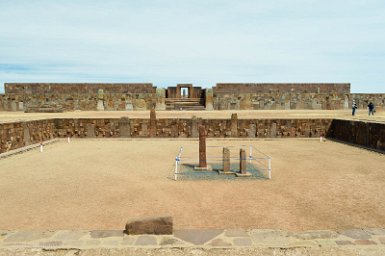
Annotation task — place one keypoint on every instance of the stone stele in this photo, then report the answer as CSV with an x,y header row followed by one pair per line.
x,y
150,225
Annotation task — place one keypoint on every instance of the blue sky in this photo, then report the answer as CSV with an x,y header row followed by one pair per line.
x,y
202,42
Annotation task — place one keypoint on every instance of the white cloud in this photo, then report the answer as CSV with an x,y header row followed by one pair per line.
x,y
204,42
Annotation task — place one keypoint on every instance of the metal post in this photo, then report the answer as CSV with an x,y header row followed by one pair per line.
x,y
250,153
269,168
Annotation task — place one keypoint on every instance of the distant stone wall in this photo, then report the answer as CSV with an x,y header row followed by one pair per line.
x,y
240,88
70,97
18,134
55,97
367,134
78,88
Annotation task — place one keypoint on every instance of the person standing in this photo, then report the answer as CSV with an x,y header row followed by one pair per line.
x,y
354,107
371,108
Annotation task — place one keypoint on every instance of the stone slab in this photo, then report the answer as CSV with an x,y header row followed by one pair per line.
x,y
106,233
355,234
146,241
197,236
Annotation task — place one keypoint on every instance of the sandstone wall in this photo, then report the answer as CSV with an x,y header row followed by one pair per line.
x,y
371,135
239,88
77,88
18,134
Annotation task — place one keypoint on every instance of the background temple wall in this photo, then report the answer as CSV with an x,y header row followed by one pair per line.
x,y
126,97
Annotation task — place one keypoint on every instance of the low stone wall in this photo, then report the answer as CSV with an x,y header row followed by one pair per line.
x,y
19,134
367,134
15,135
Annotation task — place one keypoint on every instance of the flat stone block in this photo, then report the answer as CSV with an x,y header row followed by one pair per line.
x,y
219,243
310,235
364,242
246,174
243,242
376,231
146,241
26,236
197,236
344,242
236,233
151,225
106,233
355,234
382,240
69,235
170,241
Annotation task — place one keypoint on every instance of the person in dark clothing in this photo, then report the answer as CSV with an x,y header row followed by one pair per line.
x,y
371,108
354,107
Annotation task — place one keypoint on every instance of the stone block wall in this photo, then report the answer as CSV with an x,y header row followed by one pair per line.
x,y
240,88
367,134
19,134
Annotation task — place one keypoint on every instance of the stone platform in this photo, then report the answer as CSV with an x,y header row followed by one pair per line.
x,y
195,242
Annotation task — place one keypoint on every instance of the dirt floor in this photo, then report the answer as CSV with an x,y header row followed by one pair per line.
x,y
342,114
99,184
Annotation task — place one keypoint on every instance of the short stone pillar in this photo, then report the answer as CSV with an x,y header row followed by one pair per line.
x,y
226,160
242,161
152,123
209,99
234,125
202,147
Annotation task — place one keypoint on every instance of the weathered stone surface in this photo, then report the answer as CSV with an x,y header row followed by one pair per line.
x,y
202,147
355,234
226,159
151,225
197,236
146,241
106,233
234,125
152,132
242,161
124,127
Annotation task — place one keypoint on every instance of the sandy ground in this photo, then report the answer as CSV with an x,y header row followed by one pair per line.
x,y
343,114
99,184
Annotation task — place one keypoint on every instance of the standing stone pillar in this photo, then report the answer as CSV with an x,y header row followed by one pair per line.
x,y
194,127
226,160
209,99
202,147
100,105
124,127
160,99
273,130
242,161
152,123
234,125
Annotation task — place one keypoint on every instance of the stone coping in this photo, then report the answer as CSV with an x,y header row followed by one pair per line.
x,y
193,238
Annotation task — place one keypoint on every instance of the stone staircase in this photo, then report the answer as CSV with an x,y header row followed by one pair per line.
x,y
185,104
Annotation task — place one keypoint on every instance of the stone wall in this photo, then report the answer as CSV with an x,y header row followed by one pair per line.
x,y
370,135
19,134
77,88
239,88
15,135
69,97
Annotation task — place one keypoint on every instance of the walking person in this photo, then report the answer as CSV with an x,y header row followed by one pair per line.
x,y
371,108
354,107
